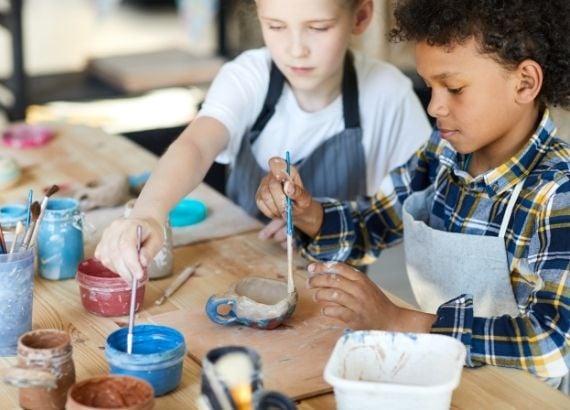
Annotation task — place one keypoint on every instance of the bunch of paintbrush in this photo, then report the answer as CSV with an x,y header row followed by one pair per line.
x,y
36,213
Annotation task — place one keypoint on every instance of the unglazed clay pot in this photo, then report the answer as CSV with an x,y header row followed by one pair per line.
x,y
44,359
261,303
111,392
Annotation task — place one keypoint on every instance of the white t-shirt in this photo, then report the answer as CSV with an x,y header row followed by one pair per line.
x,y
392,119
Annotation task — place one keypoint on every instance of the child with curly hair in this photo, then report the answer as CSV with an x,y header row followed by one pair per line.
x,y
483,207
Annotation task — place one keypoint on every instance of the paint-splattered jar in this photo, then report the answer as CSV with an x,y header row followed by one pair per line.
x,y
46,350
60,239
103,292
161,265
157,356
111,392
16,292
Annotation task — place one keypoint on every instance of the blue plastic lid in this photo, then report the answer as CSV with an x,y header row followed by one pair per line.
x,y
188,212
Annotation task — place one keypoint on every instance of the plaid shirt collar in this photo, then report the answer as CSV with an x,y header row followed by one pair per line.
x,y
507,175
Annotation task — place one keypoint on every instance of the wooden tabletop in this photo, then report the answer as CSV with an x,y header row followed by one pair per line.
x,y
81,153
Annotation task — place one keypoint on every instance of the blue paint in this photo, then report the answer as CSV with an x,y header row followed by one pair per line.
x,y
10,214
16,290
187,212
60,239
158,354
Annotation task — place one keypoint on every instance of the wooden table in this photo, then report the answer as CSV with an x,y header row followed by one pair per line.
x,y
57,304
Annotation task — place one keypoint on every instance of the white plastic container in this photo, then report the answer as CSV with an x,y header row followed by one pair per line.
x,y
390,370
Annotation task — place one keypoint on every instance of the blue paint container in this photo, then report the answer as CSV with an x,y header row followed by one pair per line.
x,y
16,290
60,239
158,354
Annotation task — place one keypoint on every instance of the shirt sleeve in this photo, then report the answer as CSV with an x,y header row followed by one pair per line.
x,y
355,232
536,340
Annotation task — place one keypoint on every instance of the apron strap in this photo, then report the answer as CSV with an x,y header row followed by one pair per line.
x,y
509,210
276,82
350,106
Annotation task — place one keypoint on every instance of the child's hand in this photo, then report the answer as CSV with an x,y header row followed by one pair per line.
x,y
271,196
117,249
350,296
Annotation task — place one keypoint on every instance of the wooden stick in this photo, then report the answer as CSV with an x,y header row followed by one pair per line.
x,y
179,281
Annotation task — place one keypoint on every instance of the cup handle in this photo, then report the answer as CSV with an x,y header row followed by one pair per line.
x,y
24,378
212,310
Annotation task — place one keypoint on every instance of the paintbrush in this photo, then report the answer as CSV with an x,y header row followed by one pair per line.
x,y
29,214
133,297
179,281
17,232
236,371
43,206
35,211
289,211
2,242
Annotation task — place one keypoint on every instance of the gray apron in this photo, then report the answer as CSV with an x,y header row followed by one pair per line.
x,y
336,168
443,265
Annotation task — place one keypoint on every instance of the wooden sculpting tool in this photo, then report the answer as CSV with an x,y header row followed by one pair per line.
x,y
180,279
133,298
290,283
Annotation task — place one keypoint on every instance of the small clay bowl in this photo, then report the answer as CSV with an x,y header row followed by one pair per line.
x,y
257,302
110,392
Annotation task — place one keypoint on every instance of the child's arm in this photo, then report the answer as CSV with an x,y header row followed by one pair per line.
x,y
178,172
537,339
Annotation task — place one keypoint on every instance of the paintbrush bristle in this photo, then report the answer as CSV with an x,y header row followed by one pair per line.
x,y
35,210
52,190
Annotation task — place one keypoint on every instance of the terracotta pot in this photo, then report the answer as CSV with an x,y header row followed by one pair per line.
x,y
111,392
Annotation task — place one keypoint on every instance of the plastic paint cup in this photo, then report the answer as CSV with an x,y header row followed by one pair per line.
x,y
60,239
103,292
110,392
16,290
158,355
390,370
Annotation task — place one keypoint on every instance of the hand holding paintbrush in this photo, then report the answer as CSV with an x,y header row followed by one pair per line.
x,y
289,212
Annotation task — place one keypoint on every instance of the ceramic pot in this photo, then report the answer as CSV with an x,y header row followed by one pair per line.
x,y
261,303
111,392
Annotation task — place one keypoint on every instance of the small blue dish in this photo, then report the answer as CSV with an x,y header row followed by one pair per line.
x,y
188,212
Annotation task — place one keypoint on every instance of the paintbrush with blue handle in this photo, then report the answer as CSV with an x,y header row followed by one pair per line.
x,y
289,212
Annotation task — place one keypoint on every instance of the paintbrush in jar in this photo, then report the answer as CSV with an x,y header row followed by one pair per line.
x,y
289,212
17,232
133,298
43,206
4,248
29,213
35,211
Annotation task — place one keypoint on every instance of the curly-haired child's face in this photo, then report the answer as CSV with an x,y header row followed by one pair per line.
x,y
473,100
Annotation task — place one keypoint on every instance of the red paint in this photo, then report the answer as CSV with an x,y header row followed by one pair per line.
x,y
103,292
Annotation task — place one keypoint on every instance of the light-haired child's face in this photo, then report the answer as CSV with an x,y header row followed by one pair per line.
x,y
473,98
307,39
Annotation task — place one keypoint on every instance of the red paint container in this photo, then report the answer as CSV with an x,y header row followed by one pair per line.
x,y
104,292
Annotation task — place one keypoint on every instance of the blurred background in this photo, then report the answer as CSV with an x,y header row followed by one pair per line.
x,y
141,68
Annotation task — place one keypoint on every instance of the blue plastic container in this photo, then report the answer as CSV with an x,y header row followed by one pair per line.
x,y
16,290
157,357
60,239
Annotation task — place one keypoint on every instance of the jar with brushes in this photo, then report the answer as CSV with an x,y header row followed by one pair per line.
x,y
16,292
60,239
45,369
161,265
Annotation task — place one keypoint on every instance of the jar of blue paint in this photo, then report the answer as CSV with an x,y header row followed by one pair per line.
x,y
10,215
16,290
157,357
60,239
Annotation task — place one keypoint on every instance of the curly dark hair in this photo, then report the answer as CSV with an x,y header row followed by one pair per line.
x,y
510,31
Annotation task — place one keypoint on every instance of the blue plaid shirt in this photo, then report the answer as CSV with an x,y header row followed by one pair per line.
x,y
537,243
